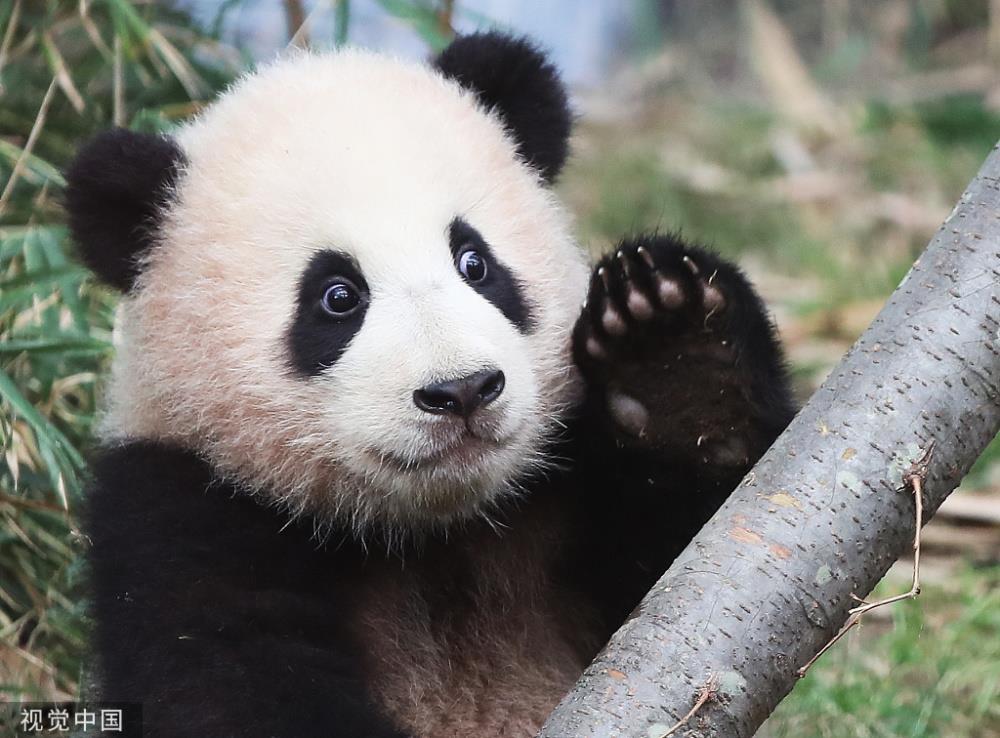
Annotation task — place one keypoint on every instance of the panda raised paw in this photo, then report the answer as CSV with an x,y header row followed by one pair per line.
x,y
663,338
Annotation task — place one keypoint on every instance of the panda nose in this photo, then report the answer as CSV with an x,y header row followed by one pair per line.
x,y
462,396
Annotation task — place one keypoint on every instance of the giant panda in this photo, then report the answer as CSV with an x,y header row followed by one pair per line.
x,y
383,456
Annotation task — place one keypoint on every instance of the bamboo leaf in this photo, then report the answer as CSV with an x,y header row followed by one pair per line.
x,y
58,66
35,169
422,16
18,290
45,431
55,344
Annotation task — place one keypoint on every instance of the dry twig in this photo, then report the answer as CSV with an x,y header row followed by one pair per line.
x,y
708,691
29,145
914,479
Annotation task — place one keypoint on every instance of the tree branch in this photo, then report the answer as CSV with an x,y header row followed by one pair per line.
x,y
769,580
915,481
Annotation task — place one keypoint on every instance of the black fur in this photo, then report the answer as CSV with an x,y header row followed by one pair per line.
x,y
223,620
213,614
499,286
115,190
512,77
317,339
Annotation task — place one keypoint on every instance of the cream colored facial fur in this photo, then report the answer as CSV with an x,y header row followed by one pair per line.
x,y
372,157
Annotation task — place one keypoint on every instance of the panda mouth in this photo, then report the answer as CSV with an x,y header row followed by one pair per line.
x,y
468,450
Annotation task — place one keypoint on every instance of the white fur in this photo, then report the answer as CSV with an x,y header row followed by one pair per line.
x,y
373,157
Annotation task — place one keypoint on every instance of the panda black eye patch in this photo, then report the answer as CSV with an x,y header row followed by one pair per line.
x,y
475,262
330,307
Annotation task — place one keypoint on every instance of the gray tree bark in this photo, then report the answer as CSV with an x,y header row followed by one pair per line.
x,y
768,581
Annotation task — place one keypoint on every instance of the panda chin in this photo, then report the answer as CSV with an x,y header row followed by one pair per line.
x,y
466,455
446,484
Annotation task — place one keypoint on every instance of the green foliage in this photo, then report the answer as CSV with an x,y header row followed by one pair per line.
x,y
717,193
425,17
949,136
915,676
64,66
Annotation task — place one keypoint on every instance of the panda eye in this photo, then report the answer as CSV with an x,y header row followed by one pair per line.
x,y
472,265
341,299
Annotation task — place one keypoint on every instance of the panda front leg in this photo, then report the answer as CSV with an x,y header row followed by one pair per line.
x,y
686,390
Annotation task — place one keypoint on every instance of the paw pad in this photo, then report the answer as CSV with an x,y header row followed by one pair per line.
x,y
669,291
729,451
612,320
637,302
630,414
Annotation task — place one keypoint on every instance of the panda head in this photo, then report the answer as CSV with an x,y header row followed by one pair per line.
x,y
347,283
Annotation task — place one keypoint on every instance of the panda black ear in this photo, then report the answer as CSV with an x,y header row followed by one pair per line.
x,y
513,78
115,191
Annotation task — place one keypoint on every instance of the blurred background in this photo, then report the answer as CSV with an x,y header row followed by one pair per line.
x,y
817,142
